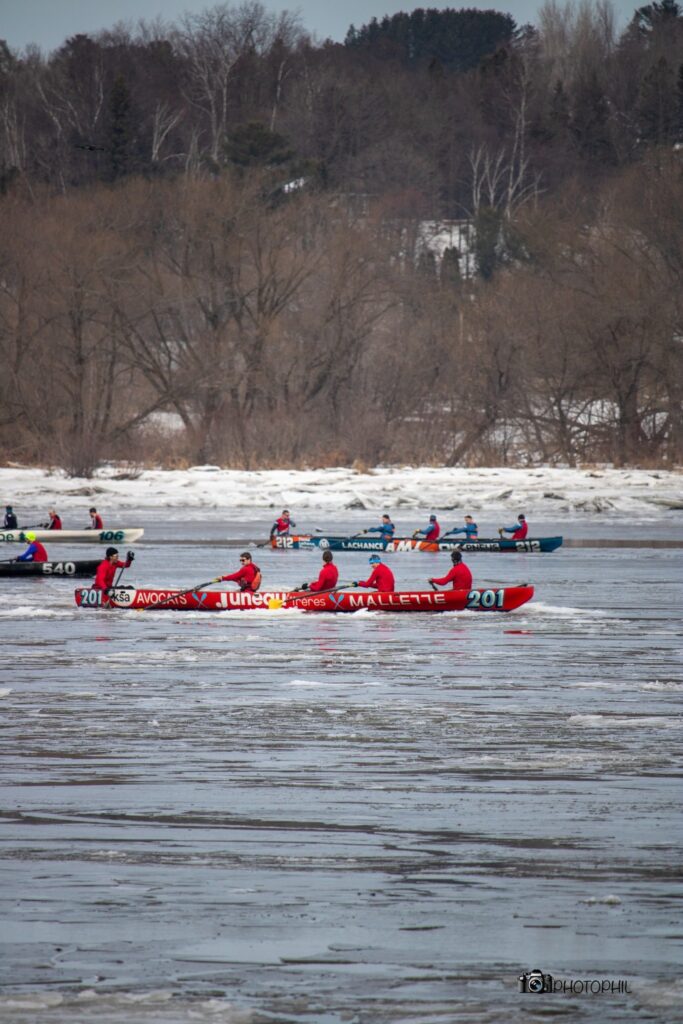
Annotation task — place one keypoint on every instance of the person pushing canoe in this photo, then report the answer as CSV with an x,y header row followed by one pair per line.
x,y
430,532
35,552
470,529
459,576
381,577
385,530
106,570
327,579
248,576
518,531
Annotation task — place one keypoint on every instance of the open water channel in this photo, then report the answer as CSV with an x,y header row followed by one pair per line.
x,y
270,816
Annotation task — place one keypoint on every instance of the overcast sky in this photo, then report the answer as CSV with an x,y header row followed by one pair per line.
x,y
49,22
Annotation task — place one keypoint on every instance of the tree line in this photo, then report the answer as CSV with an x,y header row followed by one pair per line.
x,y
225,221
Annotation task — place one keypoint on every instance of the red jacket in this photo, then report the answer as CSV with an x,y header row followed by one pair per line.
x,y
55,523
381,578
521,532
329,574
459,576
281,526
432,532
106,571
246,576
36,551
96,522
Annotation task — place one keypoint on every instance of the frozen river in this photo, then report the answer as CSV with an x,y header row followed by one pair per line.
x,y
273,816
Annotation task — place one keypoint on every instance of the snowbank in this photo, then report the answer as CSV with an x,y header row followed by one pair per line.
x,y
534,491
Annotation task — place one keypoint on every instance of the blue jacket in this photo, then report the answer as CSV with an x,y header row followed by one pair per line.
x,y
386,530
29,554
471,531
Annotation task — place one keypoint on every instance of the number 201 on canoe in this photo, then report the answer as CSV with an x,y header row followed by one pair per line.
x,y
483,599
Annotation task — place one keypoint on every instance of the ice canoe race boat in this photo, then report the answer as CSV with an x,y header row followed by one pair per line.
x,y
366,543
494,599
72,536
58,569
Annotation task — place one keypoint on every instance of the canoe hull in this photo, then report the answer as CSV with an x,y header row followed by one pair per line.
x,y
69,569
72,536
330,543
494,599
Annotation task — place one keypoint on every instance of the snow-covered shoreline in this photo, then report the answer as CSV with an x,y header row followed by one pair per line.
x,y
537,491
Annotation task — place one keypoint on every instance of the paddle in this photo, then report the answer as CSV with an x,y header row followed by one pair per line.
x,y
181,593
278,602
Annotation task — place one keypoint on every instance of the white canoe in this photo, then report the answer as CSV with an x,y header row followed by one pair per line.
x,y
73,536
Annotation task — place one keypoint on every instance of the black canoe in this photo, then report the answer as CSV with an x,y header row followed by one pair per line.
x,y
65,568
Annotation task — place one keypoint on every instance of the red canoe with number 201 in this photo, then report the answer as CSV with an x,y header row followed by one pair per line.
x,y
494,599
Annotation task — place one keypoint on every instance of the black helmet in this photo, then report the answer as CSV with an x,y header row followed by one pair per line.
x,y
112,551
456,557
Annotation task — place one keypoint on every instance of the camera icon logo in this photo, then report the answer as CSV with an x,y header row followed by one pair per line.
x,y
535,981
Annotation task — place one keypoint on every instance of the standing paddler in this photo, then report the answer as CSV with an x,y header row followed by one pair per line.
x,y
459,576
10,519
106,570
327,579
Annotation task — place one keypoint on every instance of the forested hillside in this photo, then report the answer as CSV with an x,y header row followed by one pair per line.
x,y
224,241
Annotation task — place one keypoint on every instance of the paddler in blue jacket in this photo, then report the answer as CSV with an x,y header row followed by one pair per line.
x,y
470,529
35,552
385,530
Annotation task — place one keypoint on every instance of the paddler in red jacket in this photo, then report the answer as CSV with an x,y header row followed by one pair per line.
x,y
280,527
106,570
518,531
329,574
430,532
248,576
459,576
35,552
95,520
381,577
54,523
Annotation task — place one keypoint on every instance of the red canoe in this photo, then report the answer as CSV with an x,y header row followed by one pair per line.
x,y
499,599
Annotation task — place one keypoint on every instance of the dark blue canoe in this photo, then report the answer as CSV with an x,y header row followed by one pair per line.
x,y
70,569
365,543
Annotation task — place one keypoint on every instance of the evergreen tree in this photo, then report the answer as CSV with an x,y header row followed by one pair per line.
x,y
488,241
450,266
559,117
456,39
590,121
120,131
255,145
658,104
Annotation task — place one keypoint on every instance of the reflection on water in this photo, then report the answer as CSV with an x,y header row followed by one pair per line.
x,y
269,816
